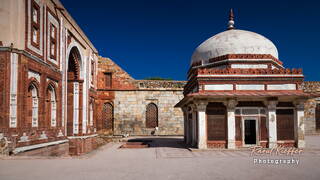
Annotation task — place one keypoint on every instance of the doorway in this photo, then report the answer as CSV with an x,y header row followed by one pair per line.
x,y
250,135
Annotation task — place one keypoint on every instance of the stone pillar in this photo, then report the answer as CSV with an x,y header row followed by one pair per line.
x,y
194,126
189,125
202,125
299,124
185,120
231,104
272,123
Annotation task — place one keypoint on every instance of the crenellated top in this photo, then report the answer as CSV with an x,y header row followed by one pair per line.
x,y
160,84
269,71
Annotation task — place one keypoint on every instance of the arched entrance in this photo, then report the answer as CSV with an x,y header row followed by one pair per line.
x,y
152,116
74,93
107,116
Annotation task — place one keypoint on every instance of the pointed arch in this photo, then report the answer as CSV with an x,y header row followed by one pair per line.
x,y
74,64
74,89
107,116
152,116
51,104
33,103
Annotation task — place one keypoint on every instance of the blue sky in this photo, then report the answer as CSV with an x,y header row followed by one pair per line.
x,y
150,38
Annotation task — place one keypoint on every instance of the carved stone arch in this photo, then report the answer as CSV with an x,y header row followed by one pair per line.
x,y
152,116
74,64
108,115
74,90
52,85
51,105
33,82
32,103
74,52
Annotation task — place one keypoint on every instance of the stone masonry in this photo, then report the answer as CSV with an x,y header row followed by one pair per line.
x,y
310,107
130,98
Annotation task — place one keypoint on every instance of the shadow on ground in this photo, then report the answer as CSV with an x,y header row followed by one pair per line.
x,y
170,142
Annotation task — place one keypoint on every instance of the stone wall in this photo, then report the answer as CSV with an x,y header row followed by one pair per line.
x,y
130,112
130,97
56,150
310,105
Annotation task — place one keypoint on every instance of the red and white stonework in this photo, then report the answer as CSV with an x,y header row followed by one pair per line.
x,y
57,94
239,94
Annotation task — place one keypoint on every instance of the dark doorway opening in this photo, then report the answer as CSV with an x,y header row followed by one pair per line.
x,y
250,132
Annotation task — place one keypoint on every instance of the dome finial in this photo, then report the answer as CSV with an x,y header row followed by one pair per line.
x,y
231,20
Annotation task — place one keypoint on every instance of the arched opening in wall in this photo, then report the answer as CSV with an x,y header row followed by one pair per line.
x,y
51,106
107,115
33,105
318,117
151,116
74,94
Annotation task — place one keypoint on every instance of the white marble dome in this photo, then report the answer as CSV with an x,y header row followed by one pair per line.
x,y
234,41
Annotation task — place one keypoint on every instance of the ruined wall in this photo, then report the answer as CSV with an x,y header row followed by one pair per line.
x,y
130,112
310,107
130,97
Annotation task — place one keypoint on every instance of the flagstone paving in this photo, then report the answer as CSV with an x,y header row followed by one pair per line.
x,y
167,158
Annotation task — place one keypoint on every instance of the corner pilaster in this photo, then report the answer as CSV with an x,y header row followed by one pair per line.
x,y
299,130
272,123
202,124
231,120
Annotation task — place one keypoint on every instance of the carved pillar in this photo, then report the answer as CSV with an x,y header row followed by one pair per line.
x,y
231,105
272,123
202,125
299,124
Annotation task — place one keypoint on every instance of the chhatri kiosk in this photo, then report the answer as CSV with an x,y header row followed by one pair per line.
x,y
239,94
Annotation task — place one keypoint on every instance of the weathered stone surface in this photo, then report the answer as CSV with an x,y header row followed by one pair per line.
x,y
310,106
130,112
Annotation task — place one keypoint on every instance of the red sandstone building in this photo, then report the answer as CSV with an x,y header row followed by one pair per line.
x,y
57,94
240,94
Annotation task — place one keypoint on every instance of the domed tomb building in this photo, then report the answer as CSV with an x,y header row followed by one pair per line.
x,y
239,94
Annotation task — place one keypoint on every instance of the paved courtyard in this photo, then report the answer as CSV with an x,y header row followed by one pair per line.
x,y
165,159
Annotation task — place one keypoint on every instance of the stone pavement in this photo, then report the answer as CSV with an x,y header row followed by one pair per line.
x,y
167,158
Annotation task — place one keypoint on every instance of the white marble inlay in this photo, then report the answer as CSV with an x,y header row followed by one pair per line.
x,y
13,90
34,75
52,20
29,39
218,87
249,66
281,87
250,86
75,108
43,135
